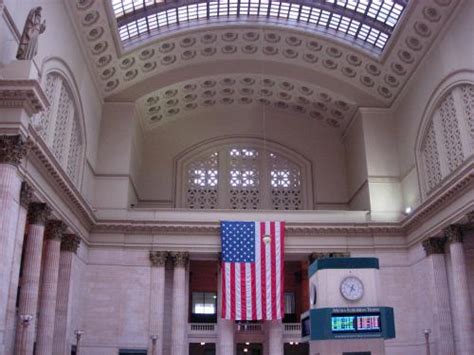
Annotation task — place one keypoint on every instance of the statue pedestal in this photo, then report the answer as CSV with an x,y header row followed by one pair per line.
x,y
20,70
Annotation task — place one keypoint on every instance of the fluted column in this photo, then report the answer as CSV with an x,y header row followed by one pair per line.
x,y
462,315
29,288
47,300
179,311
225,327
275,337
62,327
157,300
26,195
12,150
444,335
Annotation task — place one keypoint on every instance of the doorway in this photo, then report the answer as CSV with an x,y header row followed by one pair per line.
x,y
202,349
249,349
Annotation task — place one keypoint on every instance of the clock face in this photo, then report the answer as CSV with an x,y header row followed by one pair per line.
x,y
314,295
352,288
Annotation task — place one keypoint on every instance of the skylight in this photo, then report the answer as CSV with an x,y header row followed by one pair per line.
x,y
369,22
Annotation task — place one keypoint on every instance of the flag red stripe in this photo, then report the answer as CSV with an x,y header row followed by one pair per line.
x,y
223,298
282,273
232,291
243,293
253,280
273,263
263,272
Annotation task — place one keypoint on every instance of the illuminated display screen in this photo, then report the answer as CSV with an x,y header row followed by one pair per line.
x,y
355,323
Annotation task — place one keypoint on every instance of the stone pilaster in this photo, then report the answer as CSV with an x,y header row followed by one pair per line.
x,y
47,301
37,215
275,337
158,261
179,313
62,327
443,329
462,314
225,327
26,195
12,150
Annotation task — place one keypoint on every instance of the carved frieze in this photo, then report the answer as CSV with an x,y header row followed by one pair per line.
x,y
70,242
434,245
26,195
453,233
55,229
25,94
12,148
158,258
38,213
180,259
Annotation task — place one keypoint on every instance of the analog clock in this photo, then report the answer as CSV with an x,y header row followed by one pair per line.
x,y
352,288
314,295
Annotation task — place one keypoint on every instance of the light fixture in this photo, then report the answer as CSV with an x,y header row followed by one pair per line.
x,y
291,343
408,210
266,238
203,343
246,350
214,296
296,343
247,343
25,319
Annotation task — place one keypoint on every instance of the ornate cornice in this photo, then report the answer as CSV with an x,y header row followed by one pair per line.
x,y
179,258
453,234
158,258
26,195
55,230
70,242
434,245
25,94
12,149
38,213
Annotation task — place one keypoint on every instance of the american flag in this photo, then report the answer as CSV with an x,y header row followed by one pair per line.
x,y
252,270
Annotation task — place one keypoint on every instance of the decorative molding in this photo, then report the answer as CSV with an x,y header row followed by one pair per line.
x,y
38,213
12,149
453,234
25,94
179,258
70,242
158,258
434,245
55,230
26,195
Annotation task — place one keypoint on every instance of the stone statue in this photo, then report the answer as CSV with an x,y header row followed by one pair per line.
x,y
29,38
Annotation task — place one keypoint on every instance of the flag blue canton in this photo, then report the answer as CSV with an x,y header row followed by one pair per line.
x,y
238,242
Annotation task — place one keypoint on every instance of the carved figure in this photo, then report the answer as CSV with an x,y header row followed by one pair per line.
x,y
29,38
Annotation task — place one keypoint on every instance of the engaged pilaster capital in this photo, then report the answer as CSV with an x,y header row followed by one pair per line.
x,y
12,149
434,245
55,230
158,258
180,258
38,213
453,233
26,195
70,242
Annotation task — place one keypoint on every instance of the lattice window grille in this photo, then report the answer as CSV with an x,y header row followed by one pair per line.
x,y
431,159
65,105
202,184
74,152
285,181
44,118
451,134
467,92
244,178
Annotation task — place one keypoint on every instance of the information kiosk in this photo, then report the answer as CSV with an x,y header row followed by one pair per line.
x,y
346,316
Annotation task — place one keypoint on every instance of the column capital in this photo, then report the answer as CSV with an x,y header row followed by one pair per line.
x,y
158,258
180,258
434,245
453,233
38,213
55,230
26,194
315,256
12,149
70,242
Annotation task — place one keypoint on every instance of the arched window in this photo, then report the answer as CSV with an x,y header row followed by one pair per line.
x,y
243,176
59,125
448,139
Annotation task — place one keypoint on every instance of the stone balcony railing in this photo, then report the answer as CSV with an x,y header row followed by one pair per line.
x,y
292,328
249,327
202,330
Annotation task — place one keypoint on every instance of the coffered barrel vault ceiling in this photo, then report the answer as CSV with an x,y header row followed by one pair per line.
x,y
186,53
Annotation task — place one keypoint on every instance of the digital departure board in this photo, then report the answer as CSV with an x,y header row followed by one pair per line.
x,y
355,323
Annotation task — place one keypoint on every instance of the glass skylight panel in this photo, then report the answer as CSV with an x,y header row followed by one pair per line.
x,y
144,18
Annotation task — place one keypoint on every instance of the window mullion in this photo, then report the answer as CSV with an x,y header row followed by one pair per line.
x,y
53,112
464,129
223,184
265,178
